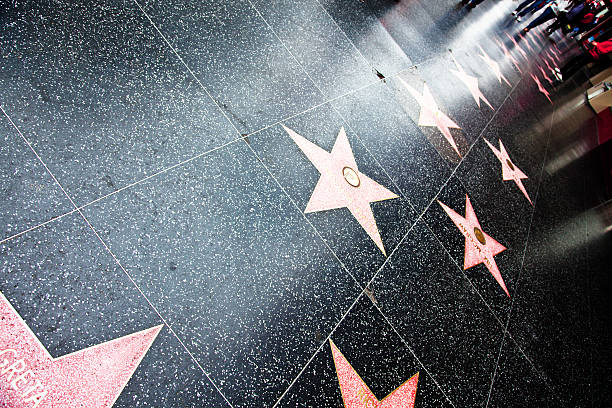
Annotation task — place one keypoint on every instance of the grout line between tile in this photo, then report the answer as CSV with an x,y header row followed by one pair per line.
x,y
323,343
325,96
589,290
506,332
397,247
153,307
375,82
78,209
35,227
413,353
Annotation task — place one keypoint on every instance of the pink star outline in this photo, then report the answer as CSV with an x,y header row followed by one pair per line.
x,y
356,394
93,377
526,42
431,115
471,82
540,87
518,47
477,252
333,191
494,66
509,56
553,58
509,170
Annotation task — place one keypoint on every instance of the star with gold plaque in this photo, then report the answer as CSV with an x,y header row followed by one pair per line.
x,y
479,246
342,184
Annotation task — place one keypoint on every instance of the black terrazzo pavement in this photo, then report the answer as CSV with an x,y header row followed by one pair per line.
x,y
147,180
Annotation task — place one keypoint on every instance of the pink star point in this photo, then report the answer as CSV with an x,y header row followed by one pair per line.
x,y
342,184
356,394
540,87
93,377
494,67
545,75
526,42
431,115
509,55
472,83
479,246
518,47
509,170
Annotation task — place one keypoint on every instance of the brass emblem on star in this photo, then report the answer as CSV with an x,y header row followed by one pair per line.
x,y
480,236
351,176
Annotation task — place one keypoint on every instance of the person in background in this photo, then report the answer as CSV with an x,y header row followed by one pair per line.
x,y
471,3
596,53
537,5
556,8
589,19
522,6
571,18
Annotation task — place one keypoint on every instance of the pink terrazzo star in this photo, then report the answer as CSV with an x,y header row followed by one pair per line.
x,y
479,246
342,184
356,394
431,115
509,169
556,51
551,69
540,87
536,37
494,66
543,40
553,57
509,55
471,82
549,59
517,46
526,42
94,377
545,75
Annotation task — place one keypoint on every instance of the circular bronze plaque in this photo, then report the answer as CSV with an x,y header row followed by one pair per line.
x,y
351,176
479,235
510,164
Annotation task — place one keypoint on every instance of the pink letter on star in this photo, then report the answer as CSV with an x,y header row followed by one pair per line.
x,y
431,115
479,246
341,184
356,394
509,170
472,84
94,377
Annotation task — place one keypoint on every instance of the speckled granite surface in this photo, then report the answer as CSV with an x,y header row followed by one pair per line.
x,y
210,204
